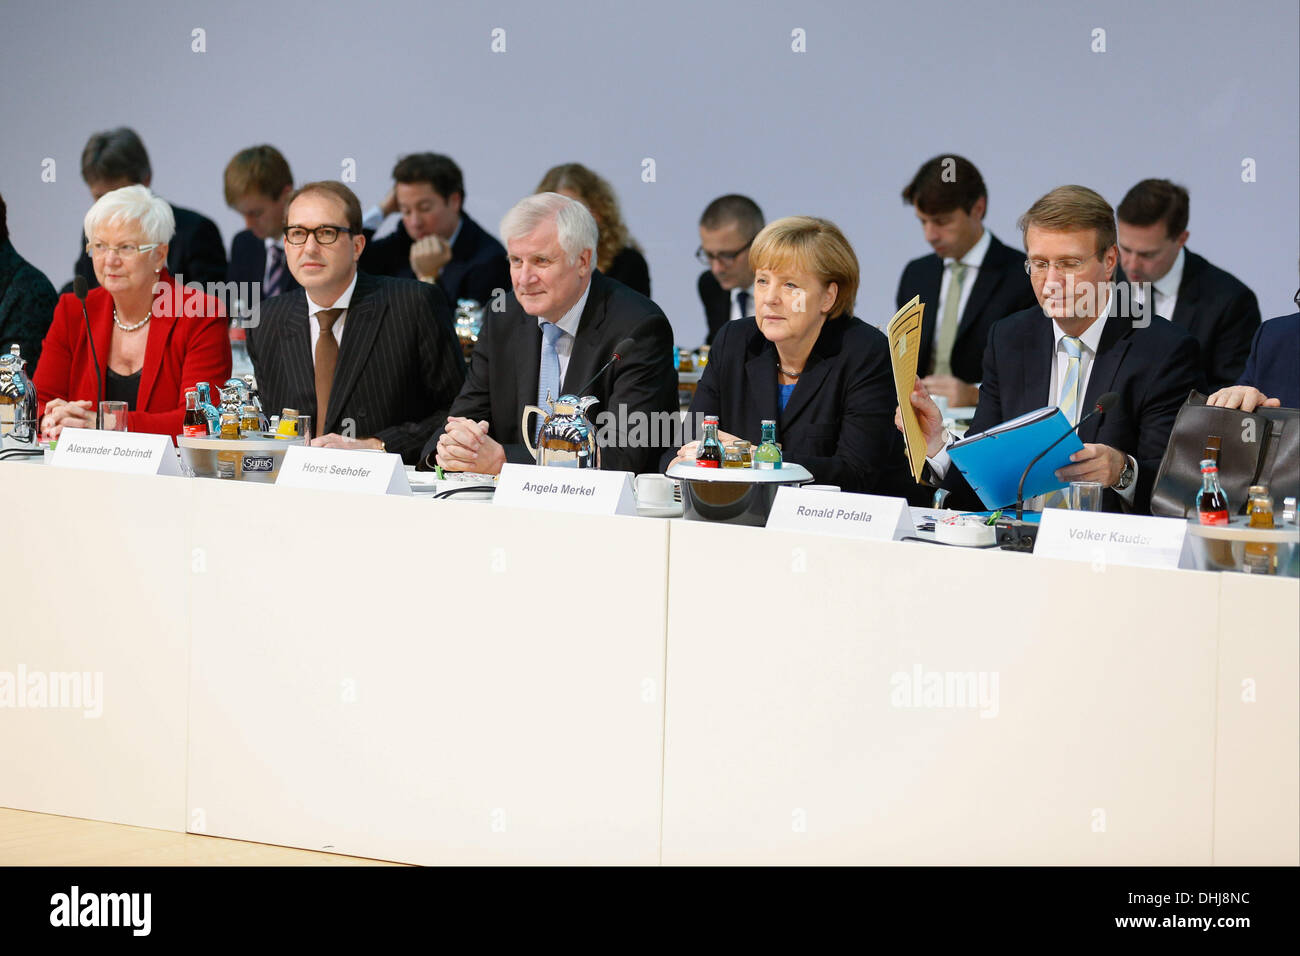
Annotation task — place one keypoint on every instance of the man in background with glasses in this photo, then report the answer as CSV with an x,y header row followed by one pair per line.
x,y
372,359
1069,350
727,229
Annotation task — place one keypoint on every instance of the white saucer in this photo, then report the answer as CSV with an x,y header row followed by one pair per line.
x,y
674,510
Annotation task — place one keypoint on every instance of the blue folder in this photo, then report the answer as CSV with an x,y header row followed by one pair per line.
x,y
993,460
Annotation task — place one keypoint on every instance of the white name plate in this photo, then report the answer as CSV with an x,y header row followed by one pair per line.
x,y
838,513
336,469
1101,538
123,452
585,490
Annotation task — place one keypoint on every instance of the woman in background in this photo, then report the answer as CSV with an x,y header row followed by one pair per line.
x,y
617,255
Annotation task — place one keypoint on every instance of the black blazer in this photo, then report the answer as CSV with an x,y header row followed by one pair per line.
x,y
195,254
1221,312
716,301
1153,368
478,265
503,373
630,268
398,370
1273,367
839,422
1001,288
248,263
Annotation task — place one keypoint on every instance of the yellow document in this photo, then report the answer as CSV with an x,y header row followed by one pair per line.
x,y
904,333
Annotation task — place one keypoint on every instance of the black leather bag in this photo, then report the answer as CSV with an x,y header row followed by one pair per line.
x,y
1257,448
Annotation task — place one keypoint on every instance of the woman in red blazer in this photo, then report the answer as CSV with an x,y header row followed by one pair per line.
x,y
154,338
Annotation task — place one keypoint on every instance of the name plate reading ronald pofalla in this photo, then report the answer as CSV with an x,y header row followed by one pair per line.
x,y
586,490
127,453
334,469
872,517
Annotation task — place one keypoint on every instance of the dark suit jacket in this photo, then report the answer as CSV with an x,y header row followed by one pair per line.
x,y
839,422
503,373
717,303
630,268
398,370
248,263
27,301
477,268
195,254
1153,368
1223,315
1001,288
1273,366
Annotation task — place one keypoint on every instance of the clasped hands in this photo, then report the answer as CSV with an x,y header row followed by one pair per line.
x,y
688,452
60,415
465,445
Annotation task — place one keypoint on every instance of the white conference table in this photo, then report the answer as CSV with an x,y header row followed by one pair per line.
x,y
448,682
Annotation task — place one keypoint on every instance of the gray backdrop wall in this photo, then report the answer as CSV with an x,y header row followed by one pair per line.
x,y
712,92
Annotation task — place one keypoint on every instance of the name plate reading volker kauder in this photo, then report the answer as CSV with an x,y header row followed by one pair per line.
x,y
335,469
1101,538
871,517
586,490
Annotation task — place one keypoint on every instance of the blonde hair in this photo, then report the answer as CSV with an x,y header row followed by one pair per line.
x,y
809,244
598,196
1072,209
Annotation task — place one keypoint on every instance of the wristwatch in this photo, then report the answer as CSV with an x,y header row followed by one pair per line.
x,y
1126,476
382,447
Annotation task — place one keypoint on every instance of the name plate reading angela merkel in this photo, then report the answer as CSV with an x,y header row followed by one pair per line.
x,y
1102,538
844,515
335,469
127,453
586,490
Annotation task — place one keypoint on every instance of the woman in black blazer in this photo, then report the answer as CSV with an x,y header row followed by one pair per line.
x,y
805,362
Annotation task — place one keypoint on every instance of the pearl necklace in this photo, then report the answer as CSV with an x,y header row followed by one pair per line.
x,y
131,328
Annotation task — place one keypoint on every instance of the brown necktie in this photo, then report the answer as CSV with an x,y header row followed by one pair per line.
x,y
327,357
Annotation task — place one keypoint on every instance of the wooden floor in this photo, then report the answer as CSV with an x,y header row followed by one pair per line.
x,y
40,839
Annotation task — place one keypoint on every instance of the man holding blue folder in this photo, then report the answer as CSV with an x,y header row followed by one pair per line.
x,y
1077,344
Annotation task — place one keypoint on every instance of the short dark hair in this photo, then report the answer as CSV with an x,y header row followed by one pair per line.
x,y
440,172
4,221
944,184
733,207
351,204
1156,200
115,154
258,169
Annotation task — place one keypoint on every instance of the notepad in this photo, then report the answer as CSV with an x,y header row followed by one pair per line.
x,y
992,461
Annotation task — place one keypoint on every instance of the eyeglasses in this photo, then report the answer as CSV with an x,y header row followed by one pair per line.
x,y
724,259
325,235
1067,267
128,250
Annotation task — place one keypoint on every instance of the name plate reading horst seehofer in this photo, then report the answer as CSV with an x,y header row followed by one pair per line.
x,y
587,490
872,517
123,452
1101,538
334,469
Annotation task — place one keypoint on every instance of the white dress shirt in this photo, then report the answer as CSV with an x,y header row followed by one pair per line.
x,y
569,323
336,329
973,260
1166,288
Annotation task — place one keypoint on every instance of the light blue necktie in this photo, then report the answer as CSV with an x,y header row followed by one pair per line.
x,y
548,376
1068,402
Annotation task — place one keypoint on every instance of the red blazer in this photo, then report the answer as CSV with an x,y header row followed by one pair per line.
x,y
188,342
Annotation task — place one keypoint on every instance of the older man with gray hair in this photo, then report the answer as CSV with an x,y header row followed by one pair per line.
x,y
560,326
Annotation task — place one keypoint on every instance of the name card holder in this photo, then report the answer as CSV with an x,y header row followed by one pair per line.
x,y
1102,538
127,453
844,515
584,491
337,469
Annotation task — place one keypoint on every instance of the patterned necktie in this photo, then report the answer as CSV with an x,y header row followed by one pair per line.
x,y
274,271
951,319
1068,402
548,375
742,301
327,357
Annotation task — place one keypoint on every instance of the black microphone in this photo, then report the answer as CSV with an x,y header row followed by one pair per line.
x,y
1102,406
79,289
619,351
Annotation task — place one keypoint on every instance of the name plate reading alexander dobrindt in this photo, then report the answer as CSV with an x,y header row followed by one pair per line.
x,y
585,490
126,453
336,469
1101,538
844,515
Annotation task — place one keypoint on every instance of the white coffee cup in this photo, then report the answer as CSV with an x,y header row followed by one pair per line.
x,y
654,489
821,487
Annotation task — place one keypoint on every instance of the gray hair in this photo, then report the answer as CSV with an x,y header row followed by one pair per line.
x,y
133,204
573,223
